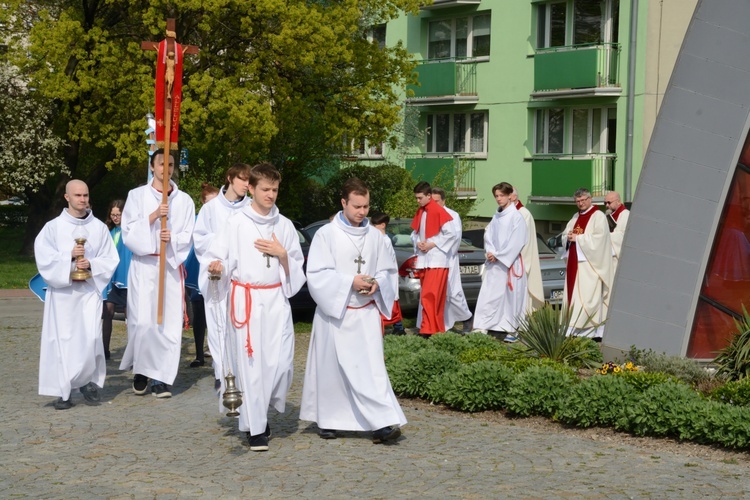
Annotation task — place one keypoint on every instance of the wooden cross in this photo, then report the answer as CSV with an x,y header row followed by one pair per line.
x,y
169,98
359,261
268,259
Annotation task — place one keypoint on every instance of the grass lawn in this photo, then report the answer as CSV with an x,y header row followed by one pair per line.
x,y
15,270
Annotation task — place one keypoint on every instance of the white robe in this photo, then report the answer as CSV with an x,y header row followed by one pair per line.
x,y
346,384
594,276
530,254
154,350
617,236
264,377
498,306
456,308
72,353
211,219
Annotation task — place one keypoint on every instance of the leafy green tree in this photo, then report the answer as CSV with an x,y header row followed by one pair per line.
x,y
282,80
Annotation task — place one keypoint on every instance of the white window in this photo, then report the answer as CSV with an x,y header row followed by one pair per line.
x,y
590,22
576,131
457,132
460,37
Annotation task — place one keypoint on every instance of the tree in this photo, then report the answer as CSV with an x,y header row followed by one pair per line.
x,y
283,80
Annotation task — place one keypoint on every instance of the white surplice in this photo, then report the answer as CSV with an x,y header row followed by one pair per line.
x,y
154,350
346,384
594,277
72,353
616,236
530,254
502,297
211,218
448,239
265,375
456,308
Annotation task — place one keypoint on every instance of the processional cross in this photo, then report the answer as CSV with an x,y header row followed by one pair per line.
x,y
167,114
359,261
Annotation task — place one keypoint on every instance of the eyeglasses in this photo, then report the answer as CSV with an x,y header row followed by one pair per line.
x,y
607,202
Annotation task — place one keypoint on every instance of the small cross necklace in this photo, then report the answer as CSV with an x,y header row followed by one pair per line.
x,y
266,255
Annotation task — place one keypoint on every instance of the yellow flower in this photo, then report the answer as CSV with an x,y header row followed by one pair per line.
x,y
629,365
617,369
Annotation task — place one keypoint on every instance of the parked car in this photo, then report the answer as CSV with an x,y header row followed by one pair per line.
x,y
471,262
551,263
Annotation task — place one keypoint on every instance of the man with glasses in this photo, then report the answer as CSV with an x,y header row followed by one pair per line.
x,y
589,268
617,216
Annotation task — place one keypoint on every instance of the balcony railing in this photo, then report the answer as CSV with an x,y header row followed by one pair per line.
x,y
592,68
561,175
442,169
445,81
440,4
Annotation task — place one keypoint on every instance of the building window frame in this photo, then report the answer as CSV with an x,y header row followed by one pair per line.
x,y
458,46
461,132
568,140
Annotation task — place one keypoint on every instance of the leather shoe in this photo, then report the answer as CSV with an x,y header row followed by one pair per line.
x,y
90,393
327,433
389,433
63,404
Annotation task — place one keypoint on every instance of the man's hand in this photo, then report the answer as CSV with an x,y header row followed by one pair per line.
x,y
83,264
572,236
426,246
161,211
77,251
165,235
360,283
491,257
271,247
215,267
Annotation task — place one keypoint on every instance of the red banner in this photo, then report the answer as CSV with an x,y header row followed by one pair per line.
x,y
168,76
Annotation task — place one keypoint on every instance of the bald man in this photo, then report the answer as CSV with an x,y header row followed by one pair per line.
x,y
617,216
72,353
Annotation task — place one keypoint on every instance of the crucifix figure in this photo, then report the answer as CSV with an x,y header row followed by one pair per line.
x,y
359,261
268,259
167,107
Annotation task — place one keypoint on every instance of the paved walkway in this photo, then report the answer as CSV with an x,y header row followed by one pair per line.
x,y
141,447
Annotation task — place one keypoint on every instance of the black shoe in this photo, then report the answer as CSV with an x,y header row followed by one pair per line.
x,y
386,434
196,363
217,384
258,443
268,431
90,393
140,384
327,433
399,331
63,404
161,391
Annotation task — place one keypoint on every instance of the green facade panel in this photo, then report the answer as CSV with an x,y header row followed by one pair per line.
x,y
561,178
426,169
574,69
435,79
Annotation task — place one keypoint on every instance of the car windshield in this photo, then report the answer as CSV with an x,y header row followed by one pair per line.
x,y
400,233
544,249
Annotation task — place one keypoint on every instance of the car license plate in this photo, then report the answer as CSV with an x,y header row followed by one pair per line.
x,y
556,295
469,269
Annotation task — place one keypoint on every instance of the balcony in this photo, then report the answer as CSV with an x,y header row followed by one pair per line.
x,y
441,4
444,82
555,179
440,170
577,71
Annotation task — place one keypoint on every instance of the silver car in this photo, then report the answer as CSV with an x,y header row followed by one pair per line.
x,y
471,262
551,263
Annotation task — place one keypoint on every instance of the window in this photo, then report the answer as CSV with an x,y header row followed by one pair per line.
x,y
362,148
460,37
588,131
592,22
377,35
457,132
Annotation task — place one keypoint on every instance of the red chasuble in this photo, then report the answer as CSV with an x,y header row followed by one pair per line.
x,y
616,214
436,217
571,270
519,205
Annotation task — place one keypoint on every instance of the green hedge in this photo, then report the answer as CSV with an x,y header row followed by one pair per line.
x,y
13,215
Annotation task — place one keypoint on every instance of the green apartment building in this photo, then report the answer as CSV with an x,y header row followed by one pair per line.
x,y
548,95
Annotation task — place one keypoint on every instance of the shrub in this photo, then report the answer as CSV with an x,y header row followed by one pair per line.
x,y
687,370
599,400
449,342
478,386
398,345
538,391
641,381
484,353
734,360
411,375
545,333
668,409
735,392
522,364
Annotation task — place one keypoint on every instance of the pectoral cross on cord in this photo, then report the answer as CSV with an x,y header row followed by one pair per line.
x,y
268,259
359,261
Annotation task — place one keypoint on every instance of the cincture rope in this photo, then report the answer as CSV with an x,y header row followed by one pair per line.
x,y
248,307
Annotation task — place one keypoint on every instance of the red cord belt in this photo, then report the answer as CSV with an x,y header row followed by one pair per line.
x,y
248,307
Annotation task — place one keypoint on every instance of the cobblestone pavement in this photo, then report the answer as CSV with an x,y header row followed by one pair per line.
x,y
143,447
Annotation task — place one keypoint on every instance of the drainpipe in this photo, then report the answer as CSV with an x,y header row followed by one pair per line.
x,y
630,126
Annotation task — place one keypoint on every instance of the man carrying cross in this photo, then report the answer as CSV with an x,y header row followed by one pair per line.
x,y
352,278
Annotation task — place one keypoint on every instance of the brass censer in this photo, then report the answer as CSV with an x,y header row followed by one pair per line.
x,y
232,397
80,274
